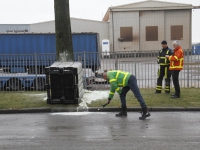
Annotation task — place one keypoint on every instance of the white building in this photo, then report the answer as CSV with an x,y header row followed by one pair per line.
x,y
143,25
138,26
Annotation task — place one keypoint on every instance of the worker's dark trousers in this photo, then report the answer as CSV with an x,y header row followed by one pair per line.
x,y
163,72
175,78
132,84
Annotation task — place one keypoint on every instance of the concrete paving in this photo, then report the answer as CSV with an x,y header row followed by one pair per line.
x,y
100,131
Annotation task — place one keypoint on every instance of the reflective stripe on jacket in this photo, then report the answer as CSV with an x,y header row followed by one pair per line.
x,y
176,60
117,79
162,60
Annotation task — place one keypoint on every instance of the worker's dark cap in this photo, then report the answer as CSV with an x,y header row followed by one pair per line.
x,y
164,42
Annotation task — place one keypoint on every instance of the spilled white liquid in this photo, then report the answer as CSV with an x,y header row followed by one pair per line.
x,y
90,96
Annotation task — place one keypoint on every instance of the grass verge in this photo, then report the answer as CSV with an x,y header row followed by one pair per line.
x,y
190,97
26,99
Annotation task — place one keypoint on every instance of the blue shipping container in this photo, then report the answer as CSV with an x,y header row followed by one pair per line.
x,y
196,50
45,43
28,43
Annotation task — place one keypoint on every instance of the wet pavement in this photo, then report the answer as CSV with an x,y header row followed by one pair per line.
x,y
100,131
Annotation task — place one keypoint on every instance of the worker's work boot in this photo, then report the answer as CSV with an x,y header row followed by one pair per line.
x,y
122,113
145,113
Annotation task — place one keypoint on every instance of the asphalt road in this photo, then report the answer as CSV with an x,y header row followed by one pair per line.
x,y
100,131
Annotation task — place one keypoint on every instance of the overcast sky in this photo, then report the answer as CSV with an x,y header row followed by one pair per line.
x,y
33,11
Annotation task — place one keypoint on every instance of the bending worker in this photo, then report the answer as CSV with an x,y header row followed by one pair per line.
x,y
127,81
163,71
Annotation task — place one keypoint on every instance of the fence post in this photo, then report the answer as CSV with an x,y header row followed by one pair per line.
x,y
84,63
116,61
187,68
36,83
79,58
135,61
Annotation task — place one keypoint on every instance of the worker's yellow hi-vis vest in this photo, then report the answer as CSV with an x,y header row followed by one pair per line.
x,y
117,79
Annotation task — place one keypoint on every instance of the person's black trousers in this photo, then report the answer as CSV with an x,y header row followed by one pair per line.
x,y
175,77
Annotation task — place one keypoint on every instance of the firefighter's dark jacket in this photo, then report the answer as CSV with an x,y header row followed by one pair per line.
x,y
162,60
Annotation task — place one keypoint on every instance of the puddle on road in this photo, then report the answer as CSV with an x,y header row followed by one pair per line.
x,y
77,113
72,113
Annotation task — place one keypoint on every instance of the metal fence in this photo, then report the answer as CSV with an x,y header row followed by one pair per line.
x,y
144,66
27,72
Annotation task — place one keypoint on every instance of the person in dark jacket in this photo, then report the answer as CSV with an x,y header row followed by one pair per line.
x,y
163,70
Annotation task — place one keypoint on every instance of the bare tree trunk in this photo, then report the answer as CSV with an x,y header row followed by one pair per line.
x,y
64,48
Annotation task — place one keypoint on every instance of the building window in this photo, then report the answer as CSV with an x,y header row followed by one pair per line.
x,y
177,32
151,33
126,34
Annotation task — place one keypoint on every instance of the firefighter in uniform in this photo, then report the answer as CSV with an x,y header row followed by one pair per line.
x,y
127,81
163,71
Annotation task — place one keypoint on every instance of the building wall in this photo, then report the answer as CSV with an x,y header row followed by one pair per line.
x,y
125,19
179,17
151,18
81,25
44,27
5,27
138,20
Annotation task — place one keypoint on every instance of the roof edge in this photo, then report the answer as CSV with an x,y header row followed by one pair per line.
x,y
151,1
117,8
106,16
152,8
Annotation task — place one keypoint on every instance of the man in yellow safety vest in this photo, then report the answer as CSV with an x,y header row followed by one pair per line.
x,y
127,81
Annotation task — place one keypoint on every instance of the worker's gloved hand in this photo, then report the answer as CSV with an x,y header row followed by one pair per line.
x,y
109,99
